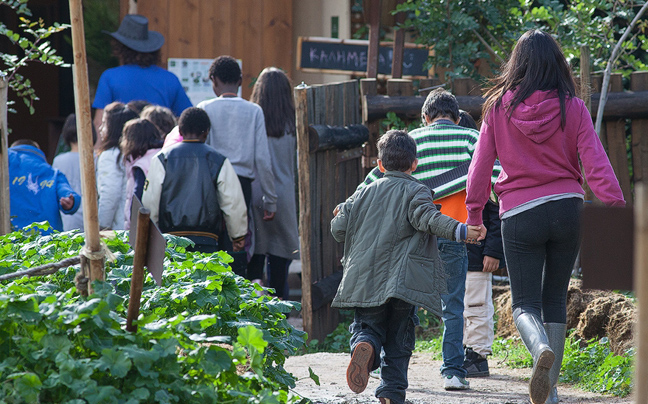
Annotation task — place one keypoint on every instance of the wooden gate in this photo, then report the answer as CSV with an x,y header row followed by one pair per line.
x,y
327,176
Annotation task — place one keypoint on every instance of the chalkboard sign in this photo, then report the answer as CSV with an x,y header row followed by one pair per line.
x,y
326,54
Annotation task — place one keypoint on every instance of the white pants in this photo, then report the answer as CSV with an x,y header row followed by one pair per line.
x,y
478,312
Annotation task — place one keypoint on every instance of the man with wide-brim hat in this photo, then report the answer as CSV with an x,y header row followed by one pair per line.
x,y
138,76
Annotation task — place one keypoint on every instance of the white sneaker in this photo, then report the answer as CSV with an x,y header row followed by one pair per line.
x,y
375,373
455,383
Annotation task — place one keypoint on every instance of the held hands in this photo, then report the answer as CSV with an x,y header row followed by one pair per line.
x,y
475,234
67,202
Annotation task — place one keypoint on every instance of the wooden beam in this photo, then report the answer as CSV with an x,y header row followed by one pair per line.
x,y
627,104
324,137
373,11
324,290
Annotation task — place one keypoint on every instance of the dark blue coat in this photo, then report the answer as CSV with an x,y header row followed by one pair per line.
x,y
492,245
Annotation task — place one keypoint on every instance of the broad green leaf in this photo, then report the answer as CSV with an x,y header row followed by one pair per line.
x,y
116,362
252,337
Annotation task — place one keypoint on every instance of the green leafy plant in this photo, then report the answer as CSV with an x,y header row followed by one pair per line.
x,y
205,335
464,33
33,46
595,367
393,121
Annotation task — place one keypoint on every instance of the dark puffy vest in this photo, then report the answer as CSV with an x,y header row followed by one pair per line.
x,y
189,199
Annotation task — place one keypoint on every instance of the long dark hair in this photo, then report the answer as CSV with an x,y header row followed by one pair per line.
x,y
116,114
273,92
139,136
537,63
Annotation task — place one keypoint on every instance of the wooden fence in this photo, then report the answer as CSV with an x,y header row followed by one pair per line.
x,y
327,176
625,120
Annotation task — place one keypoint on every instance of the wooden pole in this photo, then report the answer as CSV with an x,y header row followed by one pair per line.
x,y
641,291
86,154
586,96
5,202
399,43
303,161
373,11
137,279
585,87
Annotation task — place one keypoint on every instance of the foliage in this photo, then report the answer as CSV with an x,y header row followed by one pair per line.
x,y
337,341
99,16
392,121
595,367
56,346
32,45
456,30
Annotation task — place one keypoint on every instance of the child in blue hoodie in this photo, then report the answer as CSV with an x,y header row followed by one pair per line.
x,y
37,191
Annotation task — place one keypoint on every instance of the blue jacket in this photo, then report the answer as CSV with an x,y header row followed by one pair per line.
x,y
35,189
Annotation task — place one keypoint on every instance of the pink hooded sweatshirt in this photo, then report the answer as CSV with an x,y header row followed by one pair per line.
x,y
538,157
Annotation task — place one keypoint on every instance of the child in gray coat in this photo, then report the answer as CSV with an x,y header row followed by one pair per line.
x,y
391,265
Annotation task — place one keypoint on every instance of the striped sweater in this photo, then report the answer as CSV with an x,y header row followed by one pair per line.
x,y
441,147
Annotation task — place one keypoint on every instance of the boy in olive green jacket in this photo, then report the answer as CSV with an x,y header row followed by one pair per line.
x,y
391,265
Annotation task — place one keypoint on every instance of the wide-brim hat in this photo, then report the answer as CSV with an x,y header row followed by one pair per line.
x,y
133,33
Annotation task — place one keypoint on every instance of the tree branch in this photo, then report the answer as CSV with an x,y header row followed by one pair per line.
x,y
608,69
491,50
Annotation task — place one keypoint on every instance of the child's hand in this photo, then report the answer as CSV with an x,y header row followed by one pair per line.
x,y
475,234
67,202
490,264
336,210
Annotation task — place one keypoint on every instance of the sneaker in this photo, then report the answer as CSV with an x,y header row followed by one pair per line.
x,y
375,373
475,364
451,382
360,366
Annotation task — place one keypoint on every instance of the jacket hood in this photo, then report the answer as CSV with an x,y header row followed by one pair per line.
x,y
537,117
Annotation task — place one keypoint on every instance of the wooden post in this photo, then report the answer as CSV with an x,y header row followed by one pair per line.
x,y
586,96
369,87
137,279
303,161
641,291
5,202
585,88
616,143
373,12
399,43
86,153
639,82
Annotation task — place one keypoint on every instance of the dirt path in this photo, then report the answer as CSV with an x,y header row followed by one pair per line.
x,y
504,386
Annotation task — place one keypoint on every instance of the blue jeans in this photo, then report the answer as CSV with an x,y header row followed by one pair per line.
x,y
389,328
540,246
455,260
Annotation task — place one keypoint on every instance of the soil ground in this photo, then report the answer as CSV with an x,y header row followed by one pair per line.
x,y
504,386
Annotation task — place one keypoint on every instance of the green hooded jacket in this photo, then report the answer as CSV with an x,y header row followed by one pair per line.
x,y
389,229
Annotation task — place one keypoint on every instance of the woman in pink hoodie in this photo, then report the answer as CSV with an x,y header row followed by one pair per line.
x,y
535,125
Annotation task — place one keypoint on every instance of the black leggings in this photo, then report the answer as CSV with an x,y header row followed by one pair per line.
x,y
540,246
277,272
